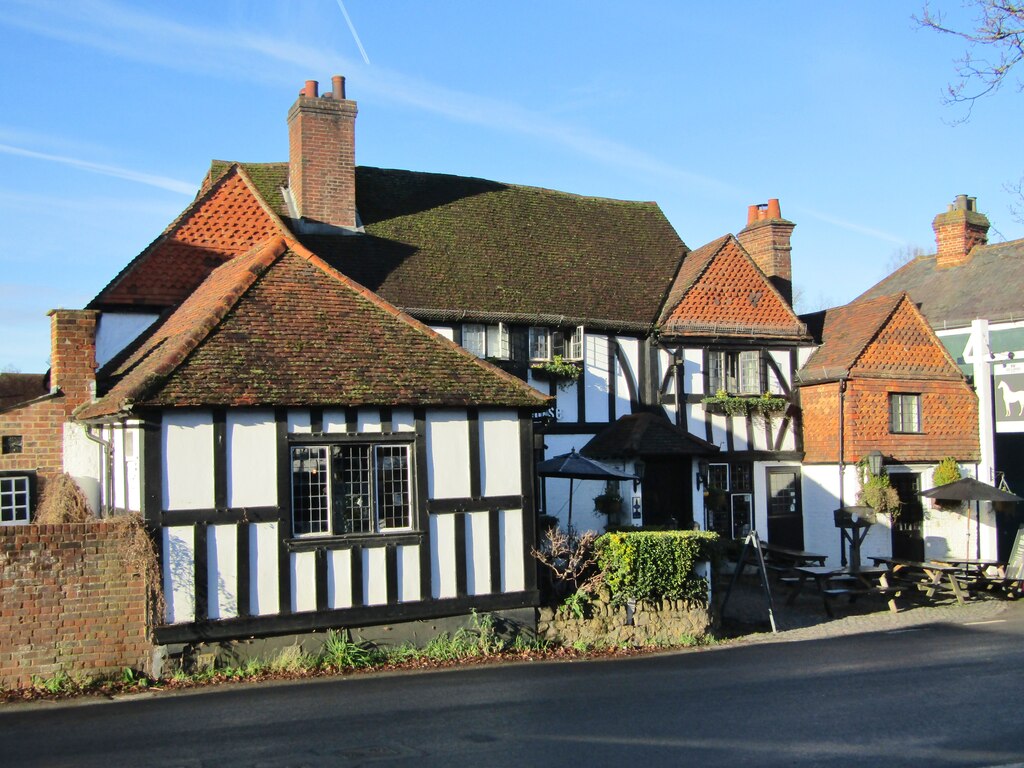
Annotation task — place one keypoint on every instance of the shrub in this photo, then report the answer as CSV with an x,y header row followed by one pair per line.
x,y
655,565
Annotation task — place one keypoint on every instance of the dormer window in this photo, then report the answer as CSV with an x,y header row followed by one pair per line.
x,y
546,344
486,340
738,373
540,343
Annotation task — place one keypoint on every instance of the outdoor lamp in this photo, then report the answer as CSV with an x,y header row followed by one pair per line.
x,y
874,459
702,474
638,470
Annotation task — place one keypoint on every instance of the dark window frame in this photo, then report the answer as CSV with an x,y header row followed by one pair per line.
x,y
30,479
900,417
732,380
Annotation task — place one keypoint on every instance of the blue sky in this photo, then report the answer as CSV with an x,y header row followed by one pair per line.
x,y
112,111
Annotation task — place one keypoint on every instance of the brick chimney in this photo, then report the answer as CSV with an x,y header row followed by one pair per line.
x,y
73,354
957,231
767,239
322,155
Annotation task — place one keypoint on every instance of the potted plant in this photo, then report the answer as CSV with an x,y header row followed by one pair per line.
x,y
609,502
557,369
876,491
947,471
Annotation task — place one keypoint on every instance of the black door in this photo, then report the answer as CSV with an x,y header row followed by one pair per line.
x,y
666,493
785,511
908,530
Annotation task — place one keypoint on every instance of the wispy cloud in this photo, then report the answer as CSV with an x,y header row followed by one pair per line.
x,y
161,182
852,226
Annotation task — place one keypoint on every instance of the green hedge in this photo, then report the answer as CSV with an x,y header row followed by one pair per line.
x,y
653,565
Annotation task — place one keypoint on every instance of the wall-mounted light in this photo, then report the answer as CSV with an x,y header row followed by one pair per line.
x,y
638,470
701,475
874,460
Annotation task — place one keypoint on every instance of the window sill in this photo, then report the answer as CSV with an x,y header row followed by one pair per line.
x,y
350,540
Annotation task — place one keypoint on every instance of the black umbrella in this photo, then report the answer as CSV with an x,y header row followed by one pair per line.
x,y
969,489
576,467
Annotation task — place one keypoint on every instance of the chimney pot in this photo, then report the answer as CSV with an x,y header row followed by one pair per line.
x,y
961,203
753,214
338,87
312,89
774,211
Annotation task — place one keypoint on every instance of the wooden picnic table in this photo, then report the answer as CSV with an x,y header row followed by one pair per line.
x,y
786,556
832,582
979,575
926,577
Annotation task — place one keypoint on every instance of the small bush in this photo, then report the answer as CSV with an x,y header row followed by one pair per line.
x,y
650,565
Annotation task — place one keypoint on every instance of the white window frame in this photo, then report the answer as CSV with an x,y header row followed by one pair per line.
x,y
540,343
15,499
325,490
498,346
474,338
574,345
738,372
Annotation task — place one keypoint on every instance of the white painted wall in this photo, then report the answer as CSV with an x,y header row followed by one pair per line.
x,y
409,588
442,556
303,565
513,571
447,455
631,350
478,551
188,459
596,376
116,330
500,464
334,420
222,571
402,420
179,574
299,422
263,569
368,420
443,330
251,458
375,581
339,578
83,461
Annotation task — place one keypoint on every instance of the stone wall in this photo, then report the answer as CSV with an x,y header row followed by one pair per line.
x,y
665,622
68,604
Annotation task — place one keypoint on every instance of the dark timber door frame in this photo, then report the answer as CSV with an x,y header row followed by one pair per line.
x,y
785,507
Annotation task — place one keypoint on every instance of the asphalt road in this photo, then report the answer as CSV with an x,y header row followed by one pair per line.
x,y
939,695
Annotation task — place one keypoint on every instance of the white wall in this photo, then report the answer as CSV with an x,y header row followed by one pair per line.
x,y
116,330
500,464
83,461
188,459
447,455
251,458
596,376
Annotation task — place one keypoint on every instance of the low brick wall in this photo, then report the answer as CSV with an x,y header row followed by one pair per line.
x,y
67,604
668,621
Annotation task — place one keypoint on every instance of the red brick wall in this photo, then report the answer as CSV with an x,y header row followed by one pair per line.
x,y
41,424
768,243
322,159
949,420
67,604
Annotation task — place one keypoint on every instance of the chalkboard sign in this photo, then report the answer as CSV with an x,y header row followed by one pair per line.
x,y
1015,566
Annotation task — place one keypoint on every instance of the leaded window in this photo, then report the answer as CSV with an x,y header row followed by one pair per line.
x,y
904,412
735,372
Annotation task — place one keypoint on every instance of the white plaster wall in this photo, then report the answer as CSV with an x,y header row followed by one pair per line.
x,y
299,422
742,439
179,574
188,459
665,363
442,556
478,560
375,580
443,330
116,330
339,578
513,571
499,453
222,571
596,376
447,455
368,420
631,351
693,370
83,461
409,589
303,566
803,354
334,420
781,358
117,446
263,569
567,401
719,427
251,458
402,420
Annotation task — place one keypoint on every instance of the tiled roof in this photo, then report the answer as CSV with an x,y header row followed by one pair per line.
x,y
645,435
719,291
438,244
990,285
226,220
18,388
881,337
279,326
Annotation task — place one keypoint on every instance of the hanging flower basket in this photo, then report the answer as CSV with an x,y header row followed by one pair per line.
x,y
557,370
738,405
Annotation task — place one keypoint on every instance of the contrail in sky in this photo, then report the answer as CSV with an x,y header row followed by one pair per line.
x,y
352,28
162,182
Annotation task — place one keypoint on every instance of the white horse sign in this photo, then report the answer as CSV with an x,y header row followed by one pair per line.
x,y
1009,397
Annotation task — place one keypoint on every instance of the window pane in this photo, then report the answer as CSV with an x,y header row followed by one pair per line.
x,y
718,476
12,444
904,413
540,348
352,494
574,349
393,506
14,500
716,374
310,491
750,373
474,338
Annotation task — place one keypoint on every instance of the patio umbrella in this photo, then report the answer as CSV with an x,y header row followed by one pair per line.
x,y
969,489
576,467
